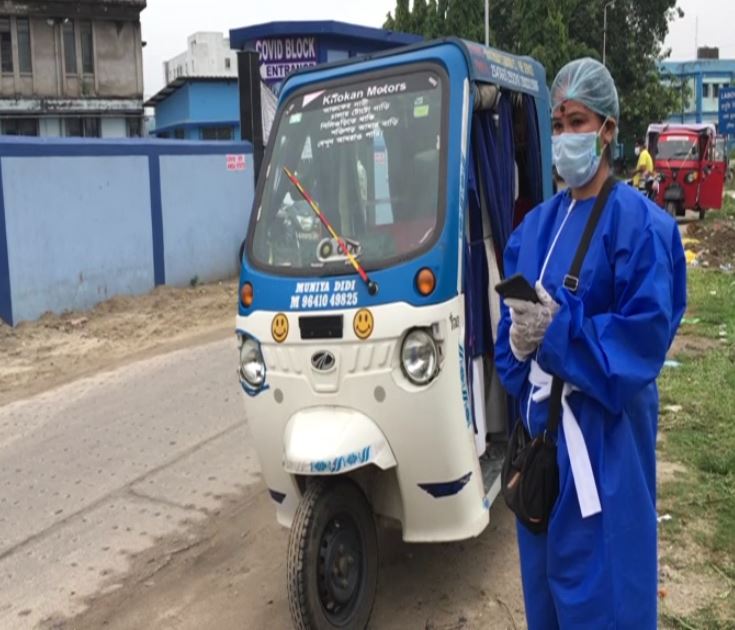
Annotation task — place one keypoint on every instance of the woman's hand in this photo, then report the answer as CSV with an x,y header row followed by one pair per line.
x,y
529,321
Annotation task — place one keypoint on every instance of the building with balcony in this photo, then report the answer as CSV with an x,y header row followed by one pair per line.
x,y
71,68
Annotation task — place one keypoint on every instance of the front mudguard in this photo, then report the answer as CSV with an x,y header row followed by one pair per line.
x,y
332,440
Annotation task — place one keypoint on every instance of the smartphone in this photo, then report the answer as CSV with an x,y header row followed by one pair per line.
x,y
517,287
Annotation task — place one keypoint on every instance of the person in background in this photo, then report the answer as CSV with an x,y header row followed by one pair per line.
x,y
644,168
596,566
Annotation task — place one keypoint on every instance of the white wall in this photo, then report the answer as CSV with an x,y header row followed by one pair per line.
x,y
206,55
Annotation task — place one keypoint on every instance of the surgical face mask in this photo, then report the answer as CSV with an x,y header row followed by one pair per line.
x,y
577,156
637,150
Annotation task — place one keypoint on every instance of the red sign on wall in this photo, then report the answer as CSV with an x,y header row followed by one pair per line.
x,y
236,162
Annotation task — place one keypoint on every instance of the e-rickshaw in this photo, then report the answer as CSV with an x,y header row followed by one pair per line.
x,y
691,167
367,314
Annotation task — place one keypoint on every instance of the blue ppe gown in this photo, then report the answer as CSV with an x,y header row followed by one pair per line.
x,y
609,340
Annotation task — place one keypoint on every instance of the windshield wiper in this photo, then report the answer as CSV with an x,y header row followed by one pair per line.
x,y
371,286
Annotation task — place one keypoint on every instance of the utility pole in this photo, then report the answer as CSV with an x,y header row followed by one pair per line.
x,y
487,22
604,29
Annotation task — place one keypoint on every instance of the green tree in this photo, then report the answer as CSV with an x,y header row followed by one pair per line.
x,y
556,31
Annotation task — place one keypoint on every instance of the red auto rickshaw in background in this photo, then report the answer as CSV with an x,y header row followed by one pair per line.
x,y
691,166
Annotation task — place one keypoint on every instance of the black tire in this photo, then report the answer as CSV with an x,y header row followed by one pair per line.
x,y
329,587
671,208
701,214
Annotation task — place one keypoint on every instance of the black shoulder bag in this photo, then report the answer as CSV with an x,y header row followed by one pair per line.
x,y
530,475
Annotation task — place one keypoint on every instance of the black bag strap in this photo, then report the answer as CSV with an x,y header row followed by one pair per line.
x,y
571,283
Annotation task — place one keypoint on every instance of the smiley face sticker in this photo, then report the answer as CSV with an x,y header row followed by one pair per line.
x,y
363,323
279,328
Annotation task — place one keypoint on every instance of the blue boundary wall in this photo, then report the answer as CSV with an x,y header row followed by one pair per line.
x,y
83,220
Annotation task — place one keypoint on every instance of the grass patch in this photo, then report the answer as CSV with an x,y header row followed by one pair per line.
x,y
728,206
701,436
711,300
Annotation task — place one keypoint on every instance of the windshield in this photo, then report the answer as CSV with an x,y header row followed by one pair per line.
x,y
368,154
678,148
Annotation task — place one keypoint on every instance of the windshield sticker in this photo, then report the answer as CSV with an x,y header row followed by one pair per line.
x,y
354,114
420,109
295,119
311,97
324,294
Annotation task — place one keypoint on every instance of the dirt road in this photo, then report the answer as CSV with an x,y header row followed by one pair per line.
x,y
231,575
57,349
131,496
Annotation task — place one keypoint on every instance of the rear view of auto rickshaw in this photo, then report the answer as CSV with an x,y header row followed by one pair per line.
x,y
691,167
367,315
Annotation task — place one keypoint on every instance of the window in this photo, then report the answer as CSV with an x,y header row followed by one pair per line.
x,y
23,29
134,127
6,46
73,127
216,133
227,63
85,31
705,90
70,48
179,134
20,127
716,90
83,127
91,127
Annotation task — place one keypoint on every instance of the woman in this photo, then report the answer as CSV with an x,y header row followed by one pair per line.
x,y
596,565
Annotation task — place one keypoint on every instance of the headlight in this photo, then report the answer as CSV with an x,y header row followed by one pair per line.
x,y
690,177
252,367
419,357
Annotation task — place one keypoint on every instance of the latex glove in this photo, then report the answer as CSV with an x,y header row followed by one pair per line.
x,y
529,321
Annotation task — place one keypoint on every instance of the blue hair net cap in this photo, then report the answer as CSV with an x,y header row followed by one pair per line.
x,y
588,82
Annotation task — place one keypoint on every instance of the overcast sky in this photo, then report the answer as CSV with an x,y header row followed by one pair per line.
x,y
167,23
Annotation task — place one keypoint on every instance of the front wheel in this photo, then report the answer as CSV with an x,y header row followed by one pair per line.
x,y
701,214
671,208
332,563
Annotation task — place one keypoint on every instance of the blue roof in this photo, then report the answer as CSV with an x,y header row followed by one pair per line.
x,y
240,37
699,66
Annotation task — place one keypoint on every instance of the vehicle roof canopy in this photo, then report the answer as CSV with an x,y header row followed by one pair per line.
x,y
708,128
484,64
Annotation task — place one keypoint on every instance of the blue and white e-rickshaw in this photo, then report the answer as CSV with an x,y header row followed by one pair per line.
x,y
367,313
